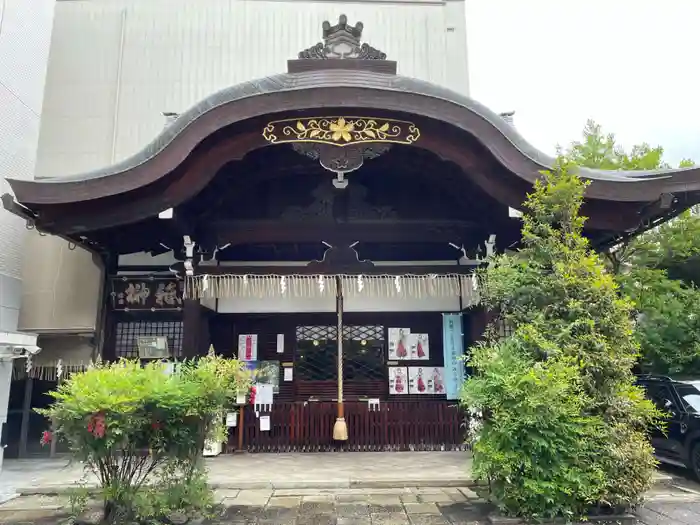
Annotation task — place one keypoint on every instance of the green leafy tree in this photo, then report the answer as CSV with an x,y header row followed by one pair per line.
x,y
573,345
659,269
667,246
673,246
668,325
598,150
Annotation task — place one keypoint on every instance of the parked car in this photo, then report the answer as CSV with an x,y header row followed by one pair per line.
x,y
679,444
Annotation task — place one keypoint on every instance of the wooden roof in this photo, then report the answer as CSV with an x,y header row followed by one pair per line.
x,y
337,77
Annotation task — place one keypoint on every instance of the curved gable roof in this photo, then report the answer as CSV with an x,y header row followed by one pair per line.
x,y
318,89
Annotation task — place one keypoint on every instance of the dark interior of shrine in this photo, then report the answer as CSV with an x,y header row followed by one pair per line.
x,y
278,205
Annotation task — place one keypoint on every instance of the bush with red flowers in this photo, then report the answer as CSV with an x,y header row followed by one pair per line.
x,y
46,438
132,424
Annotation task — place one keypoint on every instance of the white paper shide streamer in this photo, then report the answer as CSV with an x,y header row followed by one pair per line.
x,y
324,286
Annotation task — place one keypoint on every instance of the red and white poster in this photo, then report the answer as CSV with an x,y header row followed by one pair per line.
x,y
418,380
398,343
419,347
437,379
398,380
426,380
248,347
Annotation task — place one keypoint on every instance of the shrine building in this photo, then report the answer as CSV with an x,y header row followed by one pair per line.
x,y
340,201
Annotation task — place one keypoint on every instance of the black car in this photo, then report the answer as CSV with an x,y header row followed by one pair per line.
x,y
680,398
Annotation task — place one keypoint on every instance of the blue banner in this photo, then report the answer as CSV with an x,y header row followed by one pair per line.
x,y
453,351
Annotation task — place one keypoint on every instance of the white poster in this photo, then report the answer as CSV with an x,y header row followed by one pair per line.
x,y
248,347
398,380
418,346
263,397
398,343
265,423
289,374
231,419
418,382
280,343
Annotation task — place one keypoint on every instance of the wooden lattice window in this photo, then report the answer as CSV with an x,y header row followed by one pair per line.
x,y
126,334
505,329
363,352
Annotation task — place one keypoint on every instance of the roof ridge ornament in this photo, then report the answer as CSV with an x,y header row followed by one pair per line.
x,y
342,41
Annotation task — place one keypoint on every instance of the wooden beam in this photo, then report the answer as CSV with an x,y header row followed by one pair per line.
x,y
268,232
191,328
311,270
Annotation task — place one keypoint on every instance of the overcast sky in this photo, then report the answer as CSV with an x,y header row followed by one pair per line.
x,y
633,66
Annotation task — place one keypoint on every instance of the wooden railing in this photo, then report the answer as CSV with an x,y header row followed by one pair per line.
x,y
395,425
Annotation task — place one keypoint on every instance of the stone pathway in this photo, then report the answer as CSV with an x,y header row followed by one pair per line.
x,y
670,513
352,506
281,471
417,506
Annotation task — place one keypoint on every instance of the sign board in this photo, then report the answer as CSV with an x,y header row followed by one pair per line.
x,y
153,347
266,373
146,294
453,350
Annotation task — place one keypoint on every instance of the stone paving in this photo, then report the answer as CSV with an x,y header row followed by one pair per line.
x,y
329,489
293,470
389,506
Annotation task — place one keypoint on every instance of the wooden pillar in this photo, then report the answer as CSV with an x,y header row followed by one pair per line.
x,y
192,320
26,408
479,320
241,421
105,342
54,441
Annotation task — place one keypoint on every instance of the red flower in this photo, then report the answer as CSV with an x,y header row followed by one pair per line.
x,y
253,393
46,438
96,425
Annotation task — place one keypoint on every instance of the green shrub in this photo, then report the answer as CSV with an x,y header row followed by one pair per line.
x,y
574,330
537,447
182,489
134,424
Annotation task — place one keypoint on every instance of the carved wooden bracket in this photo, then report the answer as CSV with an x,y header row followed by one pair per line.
x,y
341,259
341,160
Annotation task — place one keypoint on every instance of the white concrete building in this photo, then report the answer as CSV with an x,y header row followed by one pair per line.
x,y
25,34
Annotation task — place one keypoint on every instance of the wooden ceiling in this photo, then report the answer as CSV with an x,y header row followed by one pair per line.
x,y
277,204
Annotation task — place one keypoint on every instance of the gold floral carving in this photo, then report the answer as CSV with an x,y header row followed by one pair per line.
x,y
341,131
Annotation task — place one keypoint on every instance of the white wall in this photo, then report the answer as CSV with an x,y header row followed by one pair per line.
x,y
25,34
104,100
61,288
351,304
